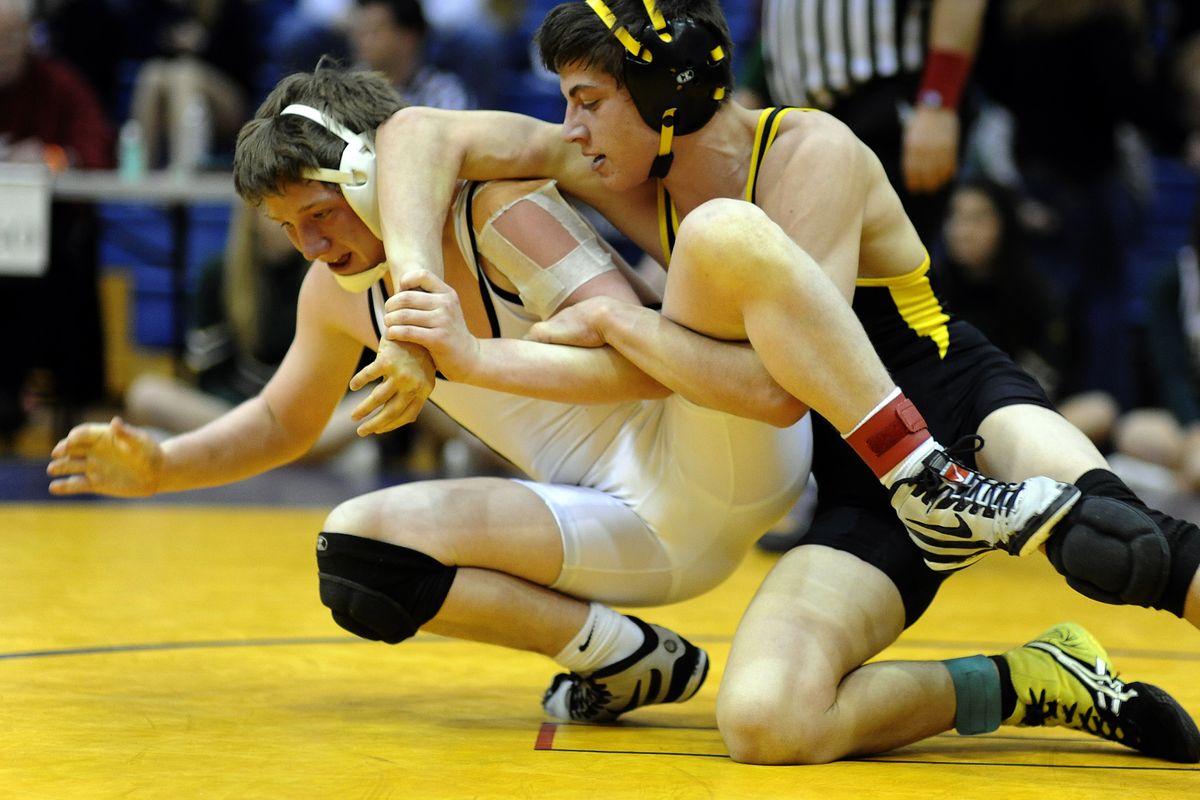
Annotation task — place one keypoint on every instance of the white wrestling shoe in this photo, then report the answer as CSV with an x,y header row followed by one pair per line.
x,y
957,516
666,669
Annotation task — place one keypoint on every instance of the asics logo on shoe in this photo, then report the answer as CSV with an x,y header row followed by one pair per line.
x,y
961,531
1107,690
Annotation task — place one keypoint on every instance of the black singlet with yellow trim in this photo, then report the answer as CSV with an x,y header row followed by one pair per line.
x,y
942,363
901,314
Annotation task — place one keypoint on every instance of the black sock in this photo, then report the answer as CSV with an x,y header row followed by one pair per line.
x,y
1008,695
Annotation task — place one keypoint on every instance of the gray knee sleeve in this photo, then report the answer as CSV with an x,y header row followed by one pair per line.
x,y
1112,552
377,590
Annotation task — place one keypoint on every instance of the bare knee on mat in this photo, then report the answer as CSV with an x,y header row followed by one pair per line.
x,y
768,728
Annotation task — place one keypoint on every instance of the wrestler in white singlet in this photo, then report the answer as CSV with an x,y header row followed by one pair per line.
x,y
657,500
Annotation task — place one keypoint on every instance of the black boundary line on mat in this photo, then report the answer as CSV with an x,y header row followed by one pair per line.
x,y
205,644
548,730
909,761
186,645
1165,655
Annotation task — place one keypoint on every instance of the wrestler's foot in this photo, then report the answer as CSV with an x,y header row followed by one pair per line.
x,y
666,669
1064,678
957,516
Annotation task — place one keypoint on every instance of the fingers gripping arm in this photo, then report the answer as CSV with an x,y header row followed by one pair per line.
x,y
427,312
421,153
535,245
727,376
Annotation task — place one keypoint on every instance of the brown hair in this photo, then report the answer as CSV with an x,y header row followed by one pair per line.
x,y
273,150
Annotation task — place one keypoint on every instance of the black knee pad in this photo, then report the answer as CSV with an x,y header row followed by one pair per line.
x,y
377,590
1112,552
1183,537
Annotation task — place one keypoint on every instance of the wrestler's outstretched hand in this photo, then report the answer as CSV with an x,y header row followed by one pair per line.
x,y
113,458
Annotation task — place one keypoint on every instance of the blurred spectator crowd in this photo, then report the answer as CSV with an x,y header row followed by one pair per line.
x,y
1068,227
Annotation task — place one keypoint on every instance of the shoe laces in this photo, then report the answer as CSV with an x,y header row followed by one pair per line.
x,y
1102,717
586,698
944,482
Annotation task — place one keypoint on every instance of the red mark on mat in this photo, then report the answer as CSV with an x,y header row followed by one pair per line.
x,y
545,737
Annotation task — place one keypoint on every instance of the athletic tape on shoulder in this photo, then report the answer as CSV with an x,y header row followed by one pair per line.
x,y
544,288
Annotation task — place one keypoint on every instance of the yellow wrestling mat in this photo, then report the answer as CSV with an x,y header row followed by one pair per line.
x,y
152,651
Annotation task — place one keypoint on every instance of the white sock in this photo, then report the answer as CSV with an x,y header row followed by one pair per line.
x,y
909,465
606,637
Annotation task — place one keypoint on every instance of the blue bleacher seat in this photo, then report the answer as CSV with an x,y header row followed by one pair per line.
x,y
535,95
1167,228
137,236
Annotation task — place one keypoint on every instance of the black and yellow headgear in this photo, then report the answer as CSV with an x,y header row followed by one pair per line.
x,y
676,72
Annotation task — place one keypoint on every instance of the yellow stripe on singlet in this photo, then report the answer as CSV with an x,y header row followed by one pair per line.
x,y
761,145
911,292
668,221
917,304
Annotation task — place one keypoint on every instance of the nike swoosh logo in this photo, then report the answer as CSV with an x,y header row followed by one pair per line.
x,y
588,640
962,530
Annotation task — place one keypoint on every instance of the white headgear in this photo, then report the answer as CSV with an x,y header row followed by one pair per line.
x,y
356,176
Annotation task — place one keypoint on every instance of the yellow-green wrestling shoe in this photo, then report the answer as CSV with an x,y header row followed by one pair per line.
x,y
1064,677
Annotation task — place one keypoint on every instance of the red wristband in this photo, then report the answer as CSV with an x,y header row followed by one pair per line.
x,y
944,79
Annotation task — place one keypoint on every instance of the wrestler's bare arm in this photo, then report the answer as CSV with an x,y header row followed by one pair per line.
x,y
727,376
266,431
426,311
423,151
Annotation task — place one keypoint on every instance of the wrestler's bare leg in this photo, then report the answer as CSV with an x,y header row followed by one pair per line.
x,y
503,539
794,690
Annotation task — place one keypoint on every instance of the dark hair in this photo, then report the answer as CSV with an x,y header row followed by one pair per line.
x,y
406,14
1015,306
572,33
1012,254
273,150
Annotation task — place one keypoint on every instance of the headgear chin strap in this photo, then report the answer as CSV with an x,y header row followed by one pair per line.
x,y
361,281
676,72
357,170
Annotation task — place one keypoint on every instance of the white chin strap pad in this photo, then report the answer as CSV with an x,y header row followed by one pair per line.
x,y
544,287
361,281
356,174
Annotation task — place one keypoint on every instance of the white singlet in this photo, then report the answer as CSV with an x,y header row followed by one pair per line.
x,y
657,500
